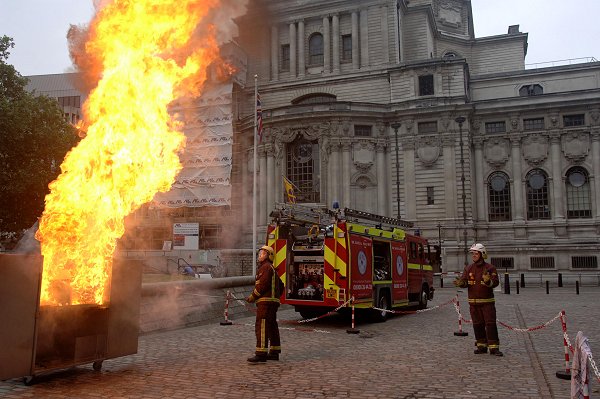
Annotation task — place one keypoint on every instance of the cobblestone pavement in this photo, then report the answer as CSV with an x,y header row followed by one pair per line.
x,y
409,356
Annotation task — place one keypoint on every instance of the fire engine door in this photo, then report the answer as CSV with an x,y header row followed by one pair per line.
x,y
280,260
399,273
361,270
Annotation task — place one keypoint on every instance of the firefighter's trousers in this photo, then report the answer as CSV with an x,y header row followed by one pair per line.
x,y
484,325
266,328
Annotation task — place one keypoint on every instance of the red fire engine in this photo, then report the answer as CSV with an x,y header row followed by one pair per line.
x,y
326,257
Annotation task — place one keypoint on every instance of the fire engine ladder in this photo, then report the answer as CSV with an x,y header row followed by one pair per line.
x,y
301,214
353,213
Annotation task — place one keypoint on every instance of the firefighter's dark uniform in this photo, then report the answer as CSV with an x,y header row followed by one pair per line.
x,y
482,304
266,295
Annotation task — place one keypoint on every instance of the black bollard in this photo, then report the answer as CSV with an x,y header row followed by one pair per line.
x,y
523,280
547,287
517,284
441,280
506,283
560,279
577,287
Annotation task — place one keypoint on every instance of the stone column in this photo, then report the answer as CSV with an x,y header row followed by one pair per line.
x,y
408,152
262,187
557,181
346,176
334,173
274,53
382,180
517,178
450,184
326,46
271,181
479,186
335,23
301,58
293,51
385,35
355,59
364,38
596,169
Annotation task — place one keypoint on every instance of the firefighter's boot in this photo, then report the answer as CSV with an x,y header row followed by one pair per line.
x,y
480,350
273,356
496,352
257,359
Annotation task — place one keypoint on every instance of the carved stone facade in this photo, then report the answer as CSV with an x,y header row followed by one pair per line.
x,y
428,168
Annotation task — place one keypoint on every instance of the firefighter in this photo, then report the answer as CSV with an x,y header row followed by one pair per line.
x,y
267,289
481,278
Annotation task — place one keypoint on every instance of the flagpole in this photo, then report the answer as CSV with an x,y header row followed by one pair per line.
x,y
254,173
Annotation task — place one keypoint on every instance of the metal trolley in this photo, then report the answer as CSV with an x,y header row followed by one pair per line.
x,y
36,339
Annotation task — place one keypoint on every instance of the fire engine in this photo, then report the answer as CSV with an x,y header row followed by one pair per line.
x,y
326,257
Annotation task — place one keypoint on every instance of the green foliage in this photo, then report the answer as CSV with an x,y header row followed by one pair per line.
x,y
34,138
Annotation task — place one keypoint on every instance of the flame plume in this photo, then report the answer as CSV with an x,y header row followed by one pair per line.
x,y
148,53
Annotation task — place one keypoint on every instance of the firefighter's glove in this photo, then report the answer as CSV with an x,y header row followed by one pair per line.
x,y
250,299
457,282
486,278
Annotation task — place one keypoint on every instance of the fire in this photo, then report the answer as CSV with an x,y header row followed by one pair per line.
x,y
149,52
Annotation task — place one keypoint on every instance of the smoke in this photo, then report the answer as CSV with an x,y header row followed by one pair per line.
x,y
28,244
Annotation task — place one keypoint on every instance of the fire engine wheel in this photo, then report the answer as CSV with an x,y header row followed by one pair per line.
x,y
382,303
423,299
97,365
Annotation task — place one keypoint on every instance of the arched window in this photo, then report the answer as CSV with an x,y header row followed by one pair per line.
x,y
302,167
579,204
315,49
538,205
531,90
499,197
315,98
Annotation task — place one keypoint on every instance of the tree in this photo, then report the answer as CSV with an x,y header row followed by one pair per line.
x,y
34,139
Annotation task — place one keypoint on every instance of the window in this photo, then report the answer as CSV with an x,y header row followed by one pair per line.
x,y
531,90
503,263
574,120
533,124
584,262
285,57
495,127
499,197
70,101
427,127
315,49
362,130
426,85
579,203
541,262
315,98
302,167
538,206
449,55
430,198
346,47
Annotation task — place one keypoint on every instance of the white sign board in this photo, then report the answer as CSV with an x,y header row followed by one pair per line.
x,y
186,235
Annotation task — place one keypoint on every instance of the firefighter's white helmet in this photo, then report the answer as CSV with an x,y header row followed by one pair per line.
x,y
479,248
269,251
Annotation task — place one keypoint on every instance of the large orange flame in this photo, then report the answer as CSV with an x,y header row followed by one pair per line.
x,y
149,52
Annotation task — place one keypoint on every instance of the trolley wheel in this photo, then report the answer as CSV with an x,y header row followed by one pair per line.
x,y
97,365
29,380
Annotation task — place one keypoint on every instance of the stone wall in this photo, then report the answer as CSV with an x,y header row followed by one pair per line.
x,y
172,305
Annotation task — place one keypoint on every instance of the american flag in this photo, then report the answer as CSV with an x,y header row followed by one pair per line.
x,y
259,123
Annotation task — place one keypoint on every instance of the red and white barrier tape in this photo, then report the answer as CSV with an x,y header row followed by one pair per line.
x,y
414,311
289,328
326,314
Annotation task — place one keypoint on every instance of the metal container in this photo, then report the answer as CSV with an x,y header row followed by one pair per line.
x,y
38,339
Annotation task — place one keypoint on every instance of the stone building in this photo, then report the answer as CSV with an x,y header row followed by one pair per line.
x,y
396,108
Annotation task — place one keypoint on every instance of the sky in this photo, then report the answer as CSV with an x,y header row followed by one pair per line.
x,y
558,29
